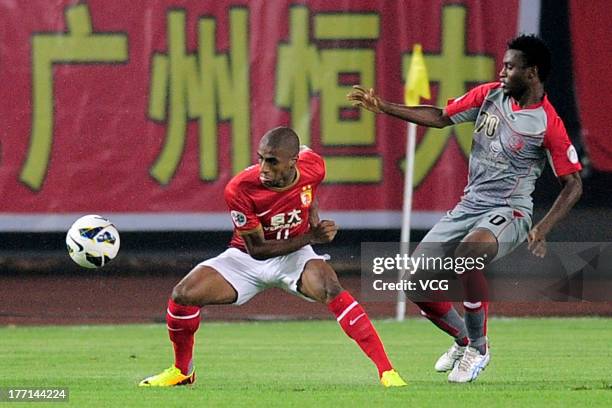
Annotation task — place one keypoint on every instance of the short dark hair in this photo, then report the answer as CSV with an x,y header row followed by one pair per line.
x,y
535,53
284,138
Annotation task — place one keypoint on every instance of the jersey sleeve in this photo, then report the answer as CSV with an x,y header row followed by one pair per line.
x,y
562,154
315,163
466,107
241,210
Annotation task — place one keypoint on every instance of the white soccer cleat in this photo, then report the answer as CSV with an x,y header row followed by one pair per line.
x,y
448,360
470,366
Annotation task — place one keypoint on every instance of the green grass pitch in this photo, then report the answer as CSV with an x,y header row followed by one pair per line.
x,y
535,362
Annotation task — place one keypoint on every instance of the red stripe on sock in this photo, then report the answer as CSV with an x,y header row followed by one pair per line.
x,y
434,311
475,287
464,341
182,333
357,325
485,305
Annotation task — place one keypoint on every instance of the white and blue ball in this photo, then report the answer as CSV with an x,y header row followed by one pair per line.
x,y
92,241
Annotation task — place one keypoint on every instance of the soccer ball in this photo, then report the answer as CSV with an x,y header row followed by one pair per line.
x,y
92,241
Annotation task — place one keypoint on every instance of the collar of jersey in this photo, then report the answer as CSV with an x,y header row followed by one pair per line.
x,y
297,178
516,107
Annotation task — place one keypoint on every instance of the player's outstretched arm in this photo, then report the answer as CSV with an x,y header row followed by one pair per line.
x,y
423,115
260,248
567,198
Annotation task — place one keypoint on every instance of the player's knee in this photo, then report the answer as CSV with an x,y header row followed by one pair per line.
x,y
182,295
478,245
332,289
331,285
326,289
470,250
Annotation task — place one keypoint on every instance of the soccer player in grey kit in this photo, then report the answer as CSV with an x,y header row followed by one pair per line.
x,y
516,131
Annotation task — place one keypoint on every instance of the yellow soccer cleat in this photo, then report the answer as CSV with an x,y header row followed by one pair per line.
x,y
392,378
168,378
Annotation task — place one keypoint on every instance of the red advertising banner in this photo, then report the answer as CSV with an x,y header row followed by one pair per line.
x,y
590,25
145,110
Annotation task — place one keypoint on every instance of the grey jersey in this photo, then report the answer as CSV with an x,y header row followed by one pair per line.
x,y
509,148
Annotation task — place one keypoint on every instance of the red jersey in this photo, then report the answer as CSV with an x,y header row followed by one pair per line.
x,y
281,212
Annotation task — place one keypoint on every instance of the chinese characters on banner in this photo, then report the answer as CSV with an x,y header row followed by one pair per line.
x,y
150,108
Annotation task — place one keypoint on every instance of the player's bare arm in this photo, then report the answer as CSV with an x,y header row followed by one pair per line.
x,y
260,248
567,198
313,215
423,115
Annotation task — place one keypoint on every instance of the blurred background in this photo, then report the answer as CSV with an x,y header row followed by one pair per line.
x,y
143,113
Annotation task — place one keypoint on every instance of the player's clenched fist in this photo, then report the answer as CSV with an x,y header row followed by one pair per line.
x,y
366,99
537,242
323,232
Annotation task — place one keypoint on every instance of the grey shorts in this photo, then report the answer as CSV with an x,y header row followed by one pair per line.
x,y
509,226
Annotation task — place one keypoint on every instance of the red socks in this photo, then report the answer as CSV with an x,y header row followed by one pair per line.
x,y
183,322
435,309
475,286
356,324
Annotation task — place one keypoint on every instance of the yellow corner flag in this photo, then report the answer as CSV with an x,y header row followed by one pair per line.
x,y
417,82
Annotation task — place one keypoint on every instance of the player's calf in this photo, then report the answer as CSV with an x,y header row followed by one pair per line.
x,y
320,282
446,318
357,325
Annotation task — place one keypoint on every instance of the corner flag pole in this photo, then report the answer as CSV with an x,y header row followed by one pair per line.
x,y
417,86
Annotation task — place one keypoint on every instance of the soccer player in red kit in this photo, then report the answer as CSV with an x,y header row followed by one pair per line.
x,y
274,211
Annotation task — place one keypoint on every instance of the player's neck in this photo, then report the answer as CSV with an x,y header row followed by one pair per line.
x,y
531,96
290,179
